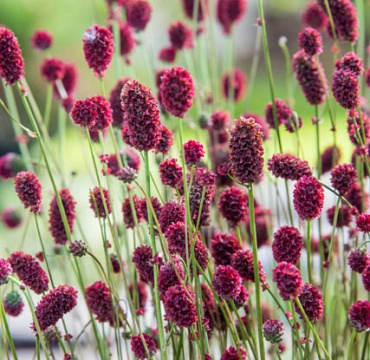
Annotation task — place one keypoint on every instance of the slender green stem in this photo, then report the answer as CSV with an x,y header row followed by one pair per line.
x,y
308,245
351,342
7,331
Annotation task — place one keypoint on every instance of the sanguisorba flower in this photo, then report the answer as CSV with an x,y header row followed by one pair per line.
x,y
191,11
229,12
11,59
11,218
97,202
359,315
141,116
165,142
28,189
363,223
181,36
358,260
193,151
144,260
350,62
29,271
167,54
287,245
345,88
53,306
329,158
56,225
138,13
310,76
168,277
273,330
233,205
127,40
314,16
227,282
308,198
223,246
5,271
234,84
170,172
366,278
343,177
177,91
98,45
232,353
172,212
84,113
138,348
98,301
310,41
104,113
246,151
78,248
52,69
10,164
13,303
288,167
115,101
312,303
41,40
128,215
283,113
288,280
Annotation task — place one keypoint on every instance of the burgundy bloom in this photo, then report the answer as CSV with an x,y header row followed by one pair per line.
x,y
165,142
310,76
53,306
358,197
97,203
77,248
191,11
293,124
172,212
5,271
229,12
104,113
13,303
138,348
232,353
223,247
141,116
11,60
367,77
115,102
344,17
170,172
180,306
288,167
144,260
343,177
127,40
181,36
345,88
128,216
52,69
29,271
143,210
193,151
283,112
273,331
11,218
234,84
310,41
246,151
167,276
99,302
233,205
314,16
98,47
329,158
175,235
359,315
350,62
226,282
177,91
41,40
84,112
344,216
115,263
287,245
308,198
69,81
358,260
138,13
312,303
56,226
28,189
288,280
363,223
10,164
220,120
366,278
167,54
260,121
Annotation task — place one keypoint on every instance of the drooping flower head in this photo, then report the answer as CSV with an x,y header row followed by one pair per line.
x,y
246,151
98,47
28,189
288,280
312,303
13,303
193,151
343,177
359,315
350,62
41,40
138,13
273,330
97,202
138,348
11,59
288,167
345,88
310,41
141,116
227,282
233,205
229,12
177,91
308,198
99,302
223,247
181,36
115,101
287,245
234,84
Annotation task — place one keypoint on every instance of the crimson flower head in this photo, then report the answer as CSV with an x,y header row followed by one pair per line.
x,y
138,13
288,280
29,271
127,40
41,40
13,303
310,41
312,303
329,158
167,54
115,101
97,203
181,36
283,113
98,47
366,278
343,177
28,189
191,11
359,315
220,120
10,164
5,271
223,246
172,212
226,282
104,113
165,142
84,113
56,226
69,81
273,330
52,69
233,205
138,348
98,300
287,245
180,306
315,17
288,167
144,260
229,12
11,59
350,62
363,223
53,306
193,151
11,218
246,151
141,116
170,172
177,91
345,88
310,76
128,216
308,198
77,248
358,260
168,277
234,84
232,353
